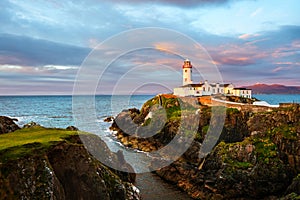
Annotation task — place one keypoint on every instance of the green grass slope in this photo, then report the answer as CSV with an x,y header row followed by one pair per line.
x,y
28,140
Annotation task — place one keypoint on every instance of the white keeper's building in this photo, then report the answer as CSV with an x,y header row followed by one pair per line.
x,y
189,88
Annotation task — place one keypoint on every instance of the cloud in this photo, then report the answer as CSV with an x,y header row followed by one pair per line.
x,y
247,36
236,61
179,3
256,12
278,38
59,67
70,22
39,72
278,69
288,50
9,67
269,55
55,37
19,50
287,63
236,54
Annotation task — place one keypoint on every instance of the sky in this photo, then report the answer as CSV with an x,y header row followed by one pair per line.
x,y
45,43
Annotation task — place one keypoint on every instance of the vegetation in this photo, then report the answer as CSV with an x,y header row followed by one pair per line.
x,y
227,152
30,140
265,149
287,131
230,111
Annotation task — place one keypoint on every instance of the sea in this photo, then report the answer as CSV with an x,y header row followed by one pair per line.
x,y
56,111
275,99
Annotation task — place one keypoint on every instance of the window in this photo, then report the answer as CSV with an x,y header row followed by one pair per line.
x,y
185,70
204,89
185,79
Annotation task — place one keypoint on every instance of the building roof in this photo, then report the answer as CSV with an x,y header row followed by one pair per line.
x,y
241,89
193,85
225,85
211,84
221,85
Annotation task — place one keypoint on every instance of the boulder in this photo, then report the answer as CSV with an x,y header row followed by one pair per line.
x,y
294,187
72,128
109,119
8,125
31,124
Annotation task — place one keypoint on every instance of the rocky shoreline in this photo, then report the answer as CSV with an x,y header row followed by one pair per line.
x,y
60,169
257,155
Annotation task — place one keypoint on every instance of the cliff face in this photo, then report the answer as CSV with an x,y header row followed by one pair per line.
x,y
63,170
257,155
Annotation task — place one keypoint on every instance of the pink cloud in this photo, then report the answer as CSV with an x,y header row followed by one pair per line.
x,y
247,36
288,50
239,55
278,69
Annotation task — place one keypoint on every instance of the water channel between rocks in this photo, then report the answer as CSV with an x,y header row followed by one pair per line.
x,y
152,187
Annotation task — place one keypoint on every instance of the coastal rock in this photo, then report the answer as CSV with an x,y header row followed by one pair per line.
x,y
31,124
72,128
128,125
256,157
260,165
109,119
294,188
124,122
64,171
8,125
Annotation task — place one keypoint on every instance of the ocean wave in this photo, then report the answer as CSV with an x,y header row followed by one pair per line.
x,y
44,120
65,116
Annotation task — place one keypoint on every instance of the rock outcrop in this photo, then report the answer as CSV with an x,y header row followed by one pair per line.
x,y
256,156
8,125
65,170
31,124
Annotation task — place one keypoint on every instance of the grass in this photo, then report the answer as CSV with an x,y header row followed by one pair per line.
x,y
226,155
287,131
266,149
26,141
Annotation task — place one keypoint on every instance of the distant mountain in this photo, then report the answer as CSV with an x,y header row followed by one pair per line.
x,y
274,89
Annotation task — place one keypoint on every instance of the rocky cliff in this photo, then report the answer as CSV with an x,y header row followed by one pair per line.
x,y
40,163
256,157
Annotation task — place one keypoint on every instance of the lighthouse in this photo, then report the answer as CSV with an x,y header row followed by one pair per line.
x,y
187,72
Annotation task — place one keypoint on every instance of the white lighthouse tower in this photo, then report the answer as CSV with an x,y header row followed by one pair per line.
x,y
187,72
